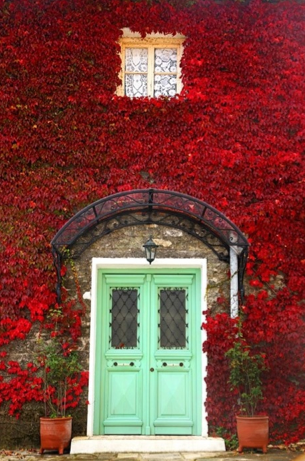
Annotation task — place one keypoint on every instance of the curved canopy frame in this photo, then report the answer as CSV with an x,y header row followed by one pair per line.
x,y
151,206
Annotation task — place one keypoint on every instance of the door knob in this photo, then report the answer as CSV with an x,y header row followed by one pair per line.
x,y
152,369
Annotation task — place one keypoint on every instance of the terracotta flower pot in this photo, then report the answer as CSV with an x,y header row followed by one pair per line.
x,y
252,432
55,434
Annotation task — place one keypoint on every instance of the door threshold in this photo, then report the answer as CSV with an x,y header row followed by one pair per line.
x,y
145,444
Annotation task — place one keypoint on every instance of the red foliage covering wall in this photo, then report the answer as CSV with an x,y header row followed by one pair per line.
x,y
234,138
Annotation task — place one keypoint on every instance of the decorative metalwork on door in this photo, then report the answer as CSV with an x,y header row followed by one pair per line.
x,y
148,353
124,318
173,318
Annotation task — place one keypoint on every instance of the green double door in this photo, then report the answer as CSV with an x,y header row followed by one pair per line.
x,y
148,353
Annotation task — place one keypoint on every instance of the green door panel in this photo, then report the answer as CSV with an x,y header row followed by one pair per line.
x,y
174,403
123,407
148,352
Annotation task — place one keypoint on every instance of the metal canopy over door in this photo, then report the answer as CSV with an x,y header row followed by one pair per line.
x,y
148,352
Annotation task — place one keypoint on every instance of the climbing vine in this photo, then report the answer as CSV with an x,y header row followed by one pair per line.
x,y
234,138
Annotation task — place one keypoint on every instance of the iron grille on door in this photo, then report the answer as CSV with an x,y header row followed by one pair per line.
x,y
124,318
173,318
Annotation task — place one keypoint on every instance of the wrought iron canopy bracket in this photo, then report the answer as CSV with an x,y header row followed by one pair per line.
x,y
150,206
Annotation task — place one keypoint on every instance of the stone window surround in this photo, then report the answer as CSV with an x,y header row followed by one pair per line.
x,y
137,263
134,39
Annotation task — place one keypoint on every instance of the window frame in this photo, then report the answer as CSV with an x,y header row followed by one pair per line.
x,y
151,41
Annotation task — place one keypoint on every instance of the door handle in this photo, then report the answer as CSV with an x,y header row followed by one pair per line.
x,y
152,369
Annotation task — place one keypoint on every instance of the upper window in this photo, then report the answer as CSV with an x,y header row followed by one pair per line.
x,y
150,66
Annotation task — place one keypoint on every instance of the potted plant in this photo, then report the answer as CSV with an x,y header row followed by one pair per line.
x,y
60,365
246,368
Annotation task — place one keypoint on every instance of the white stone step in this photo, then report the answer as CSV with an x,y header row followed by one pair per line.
x,y
145,444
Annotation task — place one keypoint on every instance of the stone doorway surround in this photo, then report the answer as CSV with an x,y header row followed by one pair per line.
x,y
135,263
153,444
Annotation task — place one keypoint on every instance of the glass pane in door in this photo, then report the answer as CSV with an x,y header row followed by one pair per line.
x,y
173,318
124,318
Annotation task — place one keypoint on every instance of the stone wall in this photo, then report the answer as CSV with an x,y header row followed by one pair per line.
x,y
173,243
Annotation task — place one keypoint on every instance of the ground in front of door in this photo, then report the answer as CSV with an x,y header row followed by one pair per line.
x,y
272,455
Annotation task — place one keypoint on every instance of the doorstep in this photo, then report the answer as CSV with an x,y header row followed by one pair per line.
x,y
145,444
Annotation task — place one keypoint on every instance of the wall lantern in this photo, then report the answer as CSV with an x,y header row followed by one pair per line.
x,y
150,250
